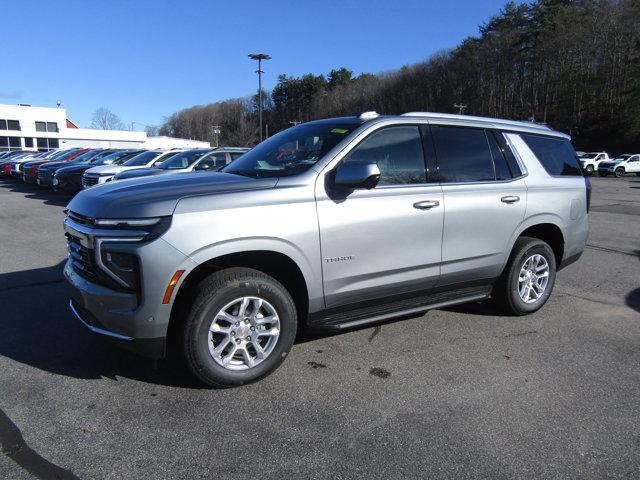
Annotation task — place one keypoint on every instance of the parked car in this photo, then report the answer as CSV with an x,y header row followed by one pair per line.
x,y
30,168
17,163
69,179
105,173
47,170
334,224
619,166
590,161
180,163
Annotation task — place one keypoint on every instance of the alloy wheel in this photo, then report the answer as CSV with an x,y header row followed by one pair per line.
x,y
533,278
243,333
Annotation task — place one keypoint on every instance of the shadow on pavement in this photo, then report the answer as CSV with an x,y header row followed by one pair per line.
x,y
37,329
46,195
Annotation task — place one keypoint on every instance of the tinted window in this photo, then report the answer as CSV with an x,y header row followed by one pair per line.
x,y
14,142
141,159
398,153
508,154
235,155
463,154
13,124
556,155
28,142
3,124
41,126
218,160
499,162
52,127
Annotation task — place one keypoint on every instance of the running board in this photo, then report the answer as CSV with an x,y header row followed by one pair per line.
x,y
371,314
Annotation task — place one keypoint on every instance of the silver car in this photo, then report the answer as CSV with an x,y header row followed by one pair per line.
x,y
331,224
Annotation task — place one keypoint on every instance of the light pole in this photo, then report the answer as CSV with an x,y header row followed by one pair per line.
x,y
259,57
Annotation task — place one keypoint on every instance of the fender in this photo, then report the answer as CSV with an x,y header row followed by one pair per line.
x,y
312,278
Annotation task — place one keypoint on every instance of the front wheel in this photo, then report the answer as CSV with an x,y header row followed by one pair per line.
x,y
589,169
528,279
619,172
240,327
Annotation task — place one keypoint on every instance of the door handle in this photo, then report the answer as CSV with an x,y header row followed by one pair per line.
x,y
426,204
510,199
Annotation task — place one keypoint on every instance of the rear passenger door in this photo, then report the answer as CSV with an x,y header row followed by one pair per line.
x,y
484,201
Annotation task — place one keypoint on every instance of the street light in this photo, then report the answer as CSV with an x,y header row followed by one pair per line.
x,y
259,57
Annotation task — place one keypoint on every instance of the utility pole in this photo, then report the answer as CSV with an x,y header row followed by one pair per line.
x,y
461,107
259,57
215,132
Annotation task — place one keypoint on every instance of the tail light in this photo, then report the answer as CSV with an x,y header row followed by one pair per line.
x,y
587,184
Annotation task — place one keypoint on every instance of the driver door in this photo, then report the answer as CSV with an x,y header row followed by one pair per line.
x,y
387,240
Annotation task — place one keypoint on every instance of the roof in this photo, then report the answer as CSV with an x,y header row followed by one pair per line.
x,y
467,120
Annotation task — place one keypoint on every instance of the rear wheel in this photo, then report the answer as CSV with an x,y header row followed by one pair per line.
x,y
240,327
589,169
528,279
619,172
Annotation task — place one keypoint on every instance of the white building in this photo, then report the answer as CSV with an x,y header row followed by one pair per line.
x,y
23,127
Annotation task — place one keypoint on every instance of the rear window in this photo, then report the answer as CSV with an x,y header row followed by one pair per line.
x,y
556,155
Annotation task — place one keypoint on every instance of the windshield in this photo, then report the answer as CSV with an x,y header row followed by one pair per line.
x,y
85,156
141,159
115,158
290,152
182,160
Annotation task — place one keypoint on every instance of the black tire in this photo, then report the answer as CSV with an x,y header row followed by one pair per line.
x,y
603,174
589,169
213,293
619,172
505,292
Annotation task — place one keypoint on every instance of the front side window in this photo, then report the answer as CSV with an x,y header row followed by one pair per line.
x,y
463,154
556,155
182,160
398,153
291,151
217,160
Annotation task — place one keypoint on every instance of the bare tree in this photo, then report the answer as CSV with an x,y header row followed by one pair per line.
x,y
105,119
152,130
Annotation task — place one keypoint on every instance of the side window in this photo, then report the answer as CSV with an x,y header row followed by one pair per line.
x,y
235,155
508,154
502,169
463,154
219,159
206,164
398,153
556,155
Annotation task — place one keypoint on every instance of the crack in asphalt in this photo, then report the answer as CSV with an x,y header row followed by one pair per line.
x,y
14,447
611,250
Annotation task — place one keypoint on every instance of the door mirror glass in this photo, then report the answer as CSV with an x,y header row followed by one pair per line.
x,y
203,166
356,175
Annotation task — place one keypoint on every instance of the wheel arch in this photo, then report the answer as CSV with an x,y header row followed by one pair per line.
x,y
545,228
274,263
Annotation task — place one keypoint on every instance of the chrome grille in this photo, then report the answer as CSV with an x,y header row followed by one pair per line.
x,y
81,258
89,181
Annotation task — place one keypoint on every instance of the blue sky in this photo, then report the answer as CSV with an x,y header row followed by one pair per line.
x,y
145,60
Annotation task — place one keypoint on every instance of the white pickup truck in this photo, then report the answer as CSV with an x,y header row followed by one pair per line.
x,y
590,161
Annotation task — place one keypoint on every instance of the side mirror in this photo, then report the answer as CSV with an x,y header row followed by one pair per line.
x,y
204,166
356,175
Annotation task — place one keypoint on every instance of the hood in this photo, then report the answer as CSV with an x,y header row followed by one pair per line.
x,y
79,169
106,169
54,165
140,172
157,196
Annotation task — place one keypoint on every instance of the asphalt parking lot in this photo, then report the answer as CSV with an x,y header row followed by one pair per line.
x,y
459,393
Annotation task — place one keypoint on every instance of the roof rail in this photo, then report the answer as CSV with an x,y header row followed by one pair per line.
x,y
498,121
368,115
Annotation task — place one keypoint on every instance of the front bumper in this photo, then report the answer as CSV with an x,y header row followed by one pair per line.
x,y
137,321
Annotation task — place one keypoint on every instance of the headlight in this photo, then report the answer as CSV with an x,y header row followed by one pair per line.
x,y
121,266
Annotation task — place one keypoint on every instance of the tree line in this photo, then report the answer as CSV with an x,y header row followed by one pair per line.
x,y
572,64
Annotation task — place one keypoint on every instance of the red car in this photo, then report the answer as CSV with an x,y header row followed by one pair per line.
x,y
30,169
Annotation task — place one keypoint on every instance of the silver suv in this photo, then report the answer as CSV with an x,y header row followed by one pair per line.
x,y
332,224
